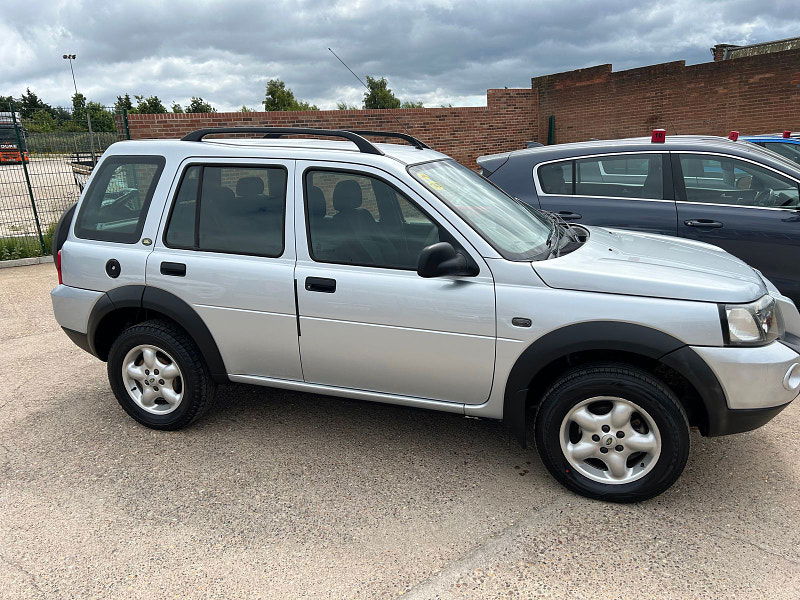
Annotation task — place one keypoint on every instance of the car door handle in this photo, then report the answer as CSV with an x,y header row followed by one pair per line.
x,y
174,269
320,284
703,223
568,215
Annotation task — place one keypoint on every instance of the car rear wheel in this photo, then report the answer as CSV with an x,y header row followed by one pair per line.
x,y
158,375
612,432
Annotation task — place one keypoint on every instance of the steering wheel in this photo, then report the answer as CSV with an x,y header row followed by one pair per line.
x,y
764,197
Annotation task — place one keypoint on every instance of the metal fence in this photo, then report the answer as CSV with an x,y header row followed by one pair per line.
x,y
45,159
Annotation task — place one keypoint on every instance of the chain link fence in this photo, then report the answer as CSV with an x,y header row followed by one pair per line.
x,y
45,159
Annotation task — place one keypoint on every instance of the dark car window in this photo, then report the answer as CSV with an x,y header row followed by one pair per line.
x,y
556,178
356,219
242,210
115,206
620,176
725,180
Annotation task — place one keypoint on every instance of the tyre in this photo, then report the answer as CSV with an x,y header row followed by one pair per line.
x,y
612,432
158,376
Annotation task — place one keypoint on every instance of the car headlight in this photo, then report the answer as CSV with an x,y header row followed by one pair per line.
x,y
754,324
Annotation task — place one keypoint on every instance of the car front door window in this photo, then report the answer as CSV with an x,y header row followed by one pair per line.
x,y
725,180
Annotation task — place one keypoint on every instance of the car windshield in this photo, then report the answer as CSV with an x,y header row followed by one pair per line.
x,y
514,230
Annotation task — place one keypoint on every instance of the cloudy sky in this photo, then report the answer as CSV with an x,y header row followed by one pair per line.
x,y
437,51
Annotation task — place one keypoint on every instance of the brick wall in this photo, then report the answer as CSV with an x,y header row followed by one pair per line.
x,y
754,94
505,123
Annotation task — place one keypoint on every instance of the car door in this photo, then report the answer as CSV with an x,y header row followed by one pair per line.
x,y
367,320
748,209
626,190
226,248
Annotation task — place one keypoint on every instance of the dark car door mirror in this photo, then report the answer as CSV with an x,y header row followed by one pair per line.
x,y
438,260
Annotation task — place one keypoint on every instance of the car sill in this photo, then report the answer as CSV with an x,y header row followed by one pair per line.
x,y
329,390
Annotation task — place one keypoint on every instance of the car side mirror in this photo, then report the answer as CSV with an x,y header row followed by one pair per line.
x,y
438,260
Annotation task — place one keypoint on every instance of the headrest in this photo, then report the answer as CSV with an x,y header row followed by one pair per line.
x,y
317,206
249,186
347,195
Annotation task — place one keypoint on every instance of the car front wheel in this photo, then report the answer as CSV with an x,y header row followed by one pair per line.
x,y
612,432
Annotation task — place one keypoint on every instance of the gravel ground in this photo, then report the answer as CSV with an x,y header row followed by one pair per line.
x,y
286,495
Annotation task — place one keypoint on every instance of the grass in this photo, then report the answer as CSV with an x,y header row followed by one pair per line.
x,y
28,246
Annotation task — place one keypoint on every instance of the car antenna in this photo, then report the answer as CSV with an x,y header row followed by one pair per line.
x,y
399,122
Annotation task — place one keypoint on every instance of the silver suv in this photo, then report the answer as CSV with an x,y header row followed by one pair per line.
x,y
388,272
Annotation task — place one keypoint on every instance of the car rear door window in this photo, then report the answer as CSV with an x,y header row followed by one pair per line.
x,y
713,179
115,206
242,210
621,176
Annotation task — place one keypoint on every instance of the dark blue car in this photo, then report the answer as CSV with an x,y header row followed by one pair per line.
x,y
733,194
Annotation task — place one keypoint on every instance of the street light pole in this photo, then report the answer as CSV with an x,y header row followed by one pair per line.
x,y
70,58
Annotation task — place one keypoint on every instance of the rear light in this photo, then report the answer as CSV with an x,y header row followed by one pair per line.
x,y
58,267
659,136
787,134
733,136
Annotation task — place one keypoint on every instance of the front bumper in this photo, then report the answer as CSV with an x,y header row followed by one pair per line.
x,y
753,378
758,383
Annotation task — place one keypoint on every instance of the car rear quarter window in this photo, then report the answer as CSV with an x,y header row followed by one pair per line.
x,y
242,210
115,206
556,178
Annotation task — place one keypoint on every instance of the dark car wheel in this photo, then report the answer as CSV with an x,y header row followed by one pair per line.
x,y
612,432
158,375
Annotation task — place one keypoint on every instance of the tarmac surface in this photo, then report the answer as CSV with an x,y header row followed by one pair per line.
x,y
276,494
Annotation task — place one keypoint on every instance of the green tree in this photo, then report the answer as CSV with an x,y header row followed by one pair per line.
x,y
177,108
149,106
6,102
379,95
29,103
102,119
346,106
198,105
79,110
245,109
279,97
124,103
42,122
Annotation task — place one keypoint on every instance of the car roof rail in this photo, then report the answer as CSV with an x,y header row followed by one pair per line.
x,y
418,144
363,145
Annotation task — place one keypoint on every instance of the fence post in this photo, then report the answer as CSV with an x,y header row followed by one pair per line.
x,y
91,136
28,179
125,123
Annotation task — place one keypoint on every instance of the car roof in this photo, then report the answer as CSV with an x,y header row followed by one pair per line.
x,y
637,144
289,148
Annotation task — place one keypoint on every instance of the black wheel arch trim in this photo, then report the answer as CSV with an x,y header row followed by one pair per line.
x,y
168,304
610,336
